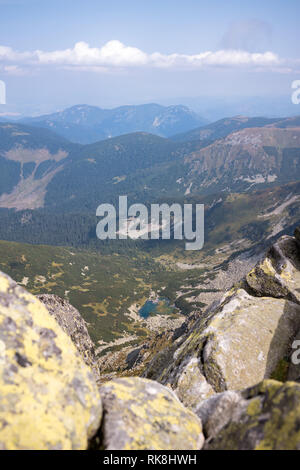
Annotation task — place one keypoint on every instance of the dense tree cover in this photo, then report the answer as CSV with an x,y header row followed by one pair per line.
x,y
223,127
15,134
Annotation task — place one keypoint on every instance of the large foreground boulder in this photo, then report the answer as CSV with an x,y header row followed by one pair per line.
x,y
48,396
74,325
264,417
240,344
278,275
245,338
143,415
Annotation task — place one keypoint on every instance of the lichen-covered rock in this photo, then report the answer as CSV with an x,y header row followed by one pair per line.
x,y
74,325
245,338
278,275
238,346
48,396
140,414
192,385
266,417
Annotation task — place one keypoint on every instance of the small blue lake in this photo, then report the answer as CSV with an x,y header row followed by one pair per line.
x,y
160,306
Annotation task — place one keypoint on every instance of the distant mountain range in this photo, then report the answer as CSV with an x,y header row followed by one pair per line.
x,y
87,124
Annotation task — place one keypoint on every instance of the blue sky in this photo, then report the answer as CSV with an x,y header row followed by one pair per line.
x,y
140,51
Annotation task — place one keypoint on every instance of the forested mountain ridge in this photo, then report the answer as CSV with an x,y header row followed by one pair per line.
x,y
29,159
43,171
50,188
223,127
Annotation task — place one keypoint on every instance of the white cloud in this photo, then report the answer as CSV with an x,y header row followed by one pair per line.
x,y
8,54
114,54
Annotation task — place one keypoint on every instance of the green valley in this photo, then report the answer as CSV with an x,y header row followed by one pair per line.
x,y
105,283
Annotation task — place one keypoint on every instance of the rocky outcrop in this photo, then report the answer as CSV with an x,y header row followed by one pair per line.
x,y
74,325
264,417
141,414
133,360
217,412
278,275
242,340
48,396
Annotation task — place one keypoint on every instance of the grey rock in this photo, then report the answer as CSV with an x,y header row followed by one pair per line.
x,y
140,414
266,417
216,412
243,339
49,398
74,325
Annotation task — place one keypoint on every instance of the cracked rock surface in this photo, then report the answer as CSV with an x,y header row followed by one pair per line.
x,y
140,414
243,339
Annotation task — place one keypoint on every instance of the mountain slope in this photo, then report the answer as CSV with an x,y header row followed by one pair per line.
x,y
101,172
42,170
29,159
86,124
245,159
222,128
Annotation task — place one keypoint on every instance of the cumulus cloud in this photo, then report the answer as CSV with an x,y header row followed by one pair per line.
x,y
115,54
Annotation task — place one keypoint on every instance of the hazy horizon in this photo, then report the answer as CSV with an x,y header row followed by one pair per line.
x,y
209,108
57,54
